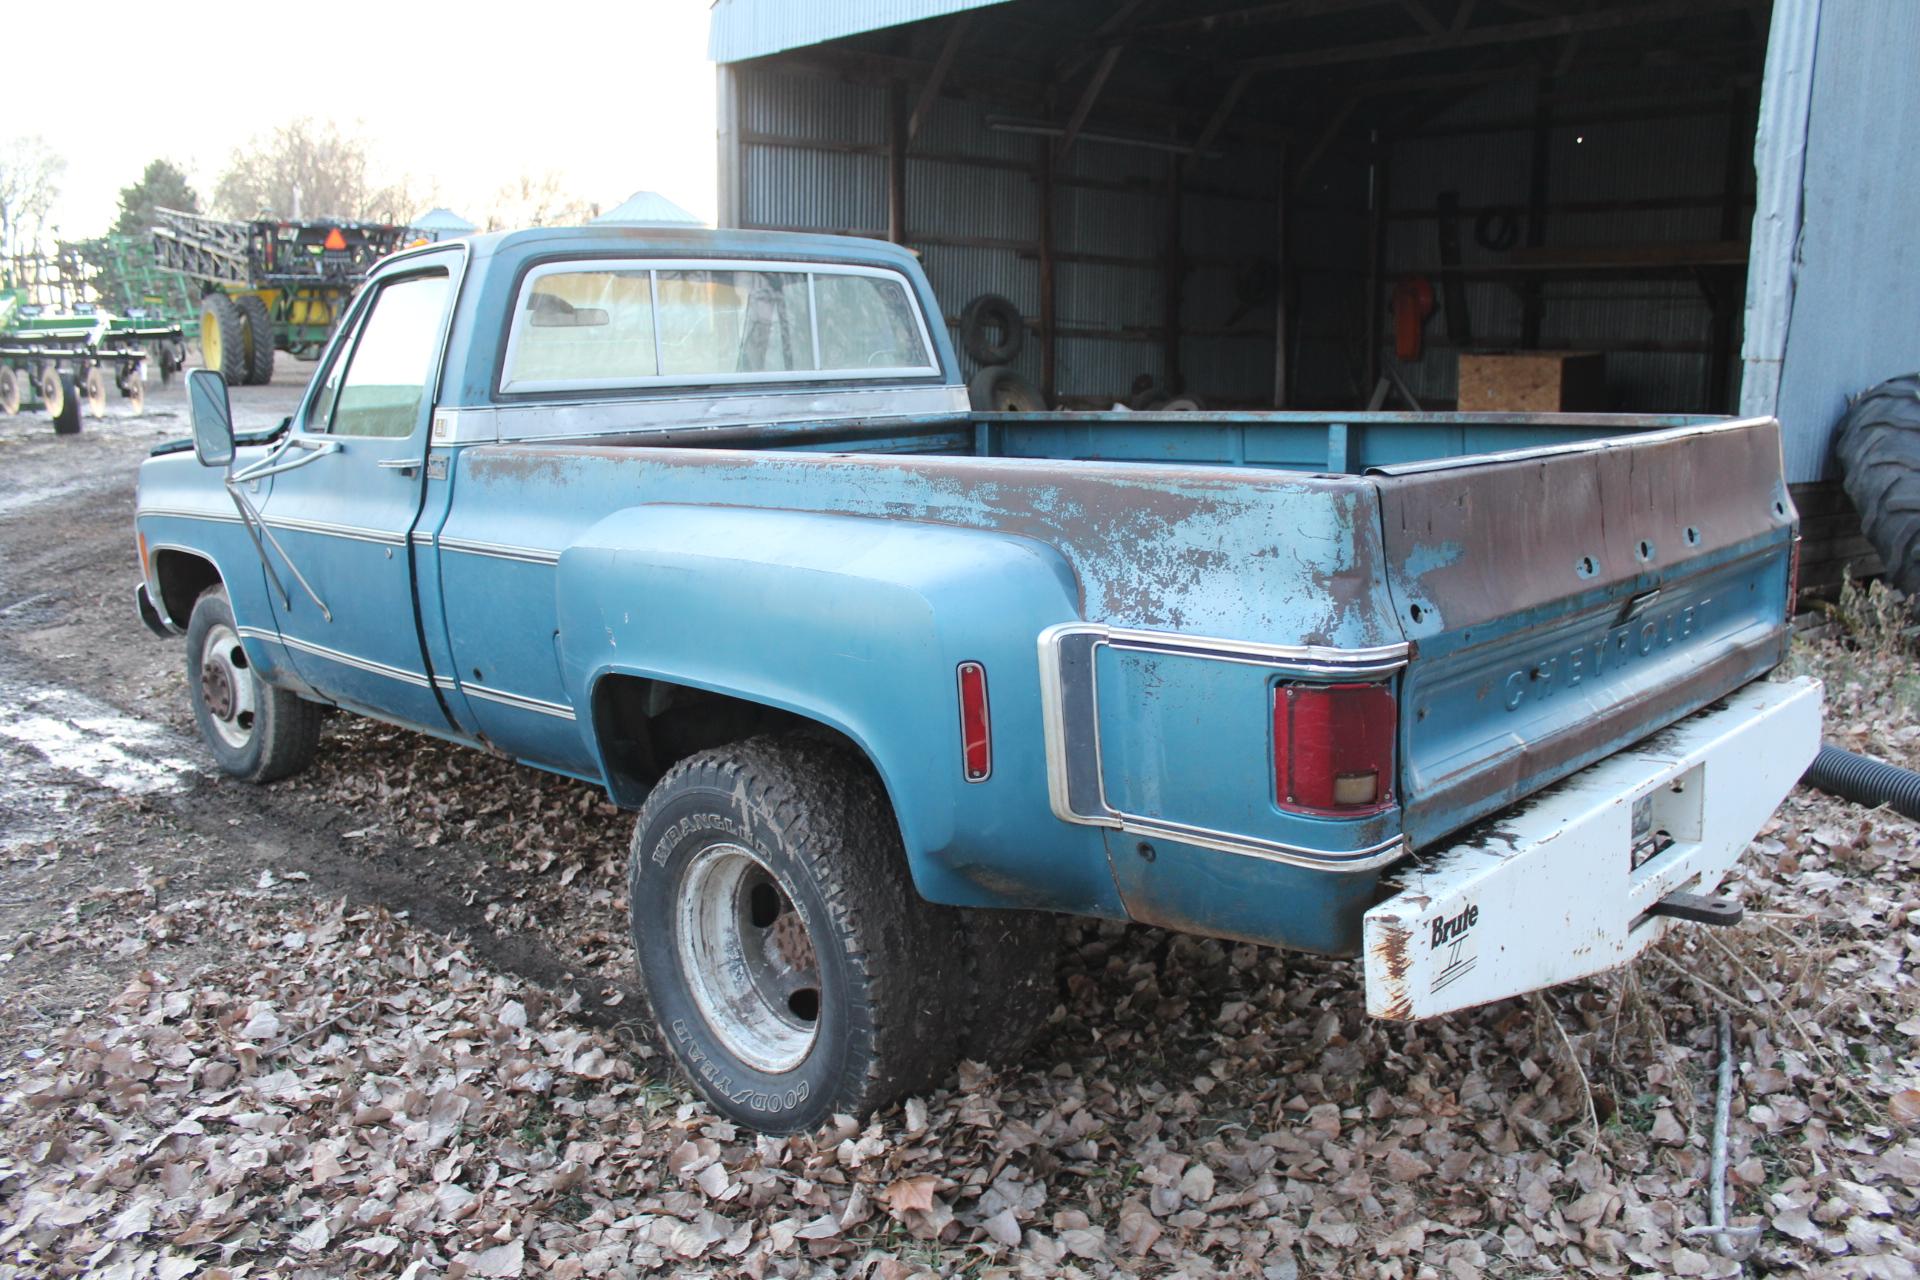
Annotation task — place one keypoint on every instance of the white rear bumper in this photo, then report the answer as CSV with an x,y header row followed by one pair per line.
x,y
1547,892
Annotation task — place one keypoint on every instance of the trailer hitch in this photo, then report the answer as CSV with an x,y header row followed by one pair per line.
x,y
1698,908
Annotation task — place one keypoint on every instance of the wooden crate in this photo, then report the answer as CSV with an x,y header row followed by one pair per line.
x,y
1533,382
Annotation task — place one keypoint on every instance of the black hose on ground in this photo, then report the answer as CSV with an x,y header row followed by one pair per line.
x,y
1865,781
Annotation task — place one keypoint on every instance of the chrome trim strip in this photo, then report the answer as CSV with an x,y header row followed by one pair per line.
x,y
1312,661
1305,659
329,529
500,550
181,513
518,701
421,538
1365,859
413,678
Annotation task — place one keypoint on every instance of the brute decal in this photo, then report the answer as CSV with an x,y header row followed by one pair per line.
x,y
1455,932
1454,929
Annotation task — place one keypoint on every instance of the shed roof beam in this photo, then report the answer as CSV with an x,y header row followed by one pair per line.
x,y
1502,33
1418,12
1218,120
1276,11
1116,28
1088,97
930,90
1322,143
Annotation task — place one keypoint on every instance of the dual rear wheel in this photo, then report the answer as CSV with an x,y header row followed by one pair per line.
x,y
236,338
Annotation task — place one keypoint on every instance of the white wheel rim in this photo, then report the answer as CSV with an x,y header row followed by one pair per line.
x,y
227,686
749,961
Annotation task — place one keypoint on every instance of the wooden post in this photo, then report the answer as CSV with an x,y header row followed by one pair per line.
x,y
1376,258
1532,303
1173,268
896,162
1282,185
1044,176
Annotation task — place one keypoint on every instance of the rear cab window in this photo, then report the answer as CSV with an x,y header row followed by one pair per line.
x,y
580,326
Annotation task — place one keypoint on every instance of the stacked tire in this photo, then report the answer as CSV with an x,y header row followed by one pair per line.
x,y
992,331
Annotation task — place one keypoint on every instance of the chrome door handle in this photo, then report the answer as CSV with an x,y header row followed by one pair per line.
x,y
405,466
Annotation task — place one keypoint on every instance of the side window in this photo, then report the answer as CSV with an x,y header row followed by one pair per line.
x,y
383,386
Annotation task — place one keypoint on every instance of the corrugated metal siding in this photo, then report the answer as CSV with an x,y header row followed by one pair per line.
x,y
813,156
1680,158
1855,315
754,28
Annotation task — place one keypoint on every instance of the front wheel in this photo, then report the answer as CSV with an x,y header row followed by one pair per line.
x,y
257,732
791,965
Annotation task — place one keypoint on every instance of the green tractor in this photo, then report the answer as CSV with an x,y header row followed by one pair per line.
x,y
268,285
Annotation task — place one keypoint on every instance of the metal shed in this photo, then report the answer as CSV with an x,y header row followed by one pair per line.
x,y
1245,200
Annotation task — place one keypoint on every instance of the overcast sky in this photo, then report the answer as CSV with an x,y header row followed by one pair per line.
x,y
615,97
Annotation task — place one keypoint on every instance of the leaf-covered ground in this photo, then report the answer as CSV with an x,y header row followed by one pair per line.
x,y
289,1085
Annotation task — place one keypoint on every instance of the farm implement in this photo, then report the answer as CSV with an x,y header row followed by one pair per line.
x,y
268,285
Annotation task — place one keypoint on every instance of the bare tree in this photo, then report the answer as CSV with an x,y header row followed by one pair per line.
x,y
536,202
29,183
310,169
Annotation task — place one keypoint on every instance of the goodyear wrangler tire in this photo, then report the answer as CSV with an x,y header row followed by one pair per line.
x,y
792,968
256,323
1879,448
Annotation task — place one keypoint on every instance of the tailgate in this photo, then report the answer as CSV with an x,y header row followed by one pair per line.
x,y
1566,602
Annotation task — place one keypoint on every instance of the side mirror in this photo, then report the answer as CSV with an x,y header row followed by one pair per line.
x,y
211,416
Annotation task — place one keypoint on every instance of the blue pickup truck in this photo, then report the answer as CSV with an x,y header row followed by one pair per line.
x,y
704,518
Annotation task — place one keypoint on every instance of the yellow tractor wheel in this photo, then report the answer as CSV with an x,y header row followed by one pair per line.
x,y
223,342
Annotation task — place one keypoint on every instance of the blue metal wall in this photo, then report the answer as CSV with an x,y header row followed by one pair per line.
x,y
1848,315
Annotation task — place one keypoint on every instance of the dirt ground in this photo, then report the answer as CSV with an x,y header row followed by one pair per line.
x,y
378,1020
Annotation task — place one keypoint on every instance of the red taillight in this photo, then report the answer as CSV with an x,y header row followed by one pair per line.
x,y
976,733
1333,748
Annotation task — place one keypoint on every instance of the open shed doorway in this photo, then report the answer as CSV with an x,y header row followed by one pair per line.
x,y
1290,203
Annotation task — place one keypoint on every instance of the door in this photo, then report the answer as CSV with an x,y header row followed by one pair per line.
x,y
345,519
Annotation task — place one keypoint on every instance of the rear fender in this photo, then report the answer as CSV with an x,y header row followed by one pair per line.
x,y
859,624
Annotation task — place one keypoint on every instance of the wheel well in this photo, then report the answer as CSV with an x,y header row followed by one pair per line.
x,y
644,726
182,576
